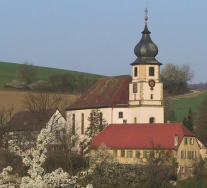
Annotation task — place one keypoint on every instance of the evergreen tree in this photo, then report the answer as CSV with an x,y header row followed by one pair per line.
x,y
201,120
97,124
188,121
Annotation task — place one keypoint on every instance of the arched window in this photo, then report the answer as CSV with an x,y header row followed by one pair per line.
x,y
152,120
82,123
151,71
73,125
101,119
135,72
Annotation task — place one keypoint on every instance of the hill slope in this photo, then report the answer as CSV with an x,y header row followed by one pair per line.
x,y
183,104
8,73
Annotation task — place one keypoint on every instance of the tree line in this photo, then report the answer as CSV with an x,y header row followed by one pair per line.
x,y
26,79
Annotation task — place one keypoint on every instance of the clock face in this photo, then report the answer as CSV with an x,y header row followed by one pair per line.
x,y
151,83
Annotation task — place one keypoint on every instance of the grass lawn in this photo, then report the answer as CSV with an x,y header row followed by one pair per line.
x,y
182,105
192,183
8,72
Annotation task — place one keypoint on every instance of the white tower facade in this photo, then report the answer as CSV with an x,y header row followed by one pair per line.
x,y
146,90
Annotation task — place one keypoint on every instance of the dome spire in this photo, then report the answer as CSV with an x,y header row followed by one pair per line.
x,y
146,50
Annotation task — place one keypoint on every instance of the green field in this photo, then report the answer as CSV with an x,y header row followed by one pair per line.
x,y
182,105
8,72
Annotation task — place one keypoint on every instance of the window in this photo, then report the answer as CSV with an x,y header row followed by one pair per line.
x,y
151,96
151,120
120,114
122,153
82,123
144,154
151,154
183,154
115,153
135,72
189,154
186,141
193,154
73,125
151,71
101,119
138,154
129,154
191,141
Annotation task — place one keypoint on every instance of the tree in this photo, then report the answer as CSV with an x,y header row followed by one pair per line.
x,y
37,177
97,124
5,117
63,82
107,172
40,102
27,73
175,78
189,121
201,120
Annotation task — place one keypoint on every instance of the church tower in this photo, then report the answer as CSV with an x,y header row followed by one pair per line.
x,y
146,90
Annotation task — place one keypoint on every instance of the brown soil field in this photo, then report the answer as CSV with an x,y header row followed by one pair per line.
x,y
15,98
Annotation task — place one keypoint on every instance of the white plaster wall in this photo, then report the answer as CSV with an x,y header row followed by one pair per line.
x,y
143,114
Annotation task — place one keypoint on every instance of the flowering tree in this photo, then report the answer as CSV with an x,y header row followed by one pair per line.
x,y
37,177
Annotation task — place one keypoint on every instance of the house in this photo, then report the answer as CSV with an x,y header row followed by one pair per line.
x,y
124,99
134,143
25,125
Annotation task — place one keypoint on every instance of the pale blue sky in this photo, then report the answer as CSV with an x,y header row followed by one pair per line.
x,y
98,36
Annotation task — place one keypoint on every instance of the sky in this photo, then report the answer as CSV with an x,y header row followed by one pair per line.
x,y
99,36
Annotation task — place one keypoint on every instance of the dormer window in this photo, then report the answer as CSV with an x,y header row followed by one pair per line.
x,y
151,71
135,72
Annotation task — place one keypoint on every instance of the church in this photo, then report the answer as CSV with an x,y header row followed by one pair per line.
x,y
133,109
125,99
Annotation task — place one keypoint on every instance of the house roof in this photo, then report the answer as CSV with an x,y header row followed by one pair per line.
x,y
30,120
106,92
142,136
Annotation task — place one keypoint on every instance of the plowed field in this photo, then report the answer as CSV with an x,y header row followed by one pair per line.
x,y
9,98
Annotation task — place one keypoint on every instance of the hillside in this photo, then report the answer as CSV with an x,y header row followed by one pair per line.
x,y
182,104
8,73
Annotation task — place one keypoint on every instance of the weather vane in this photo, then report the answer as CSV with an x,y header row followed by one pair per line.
x,y
146,11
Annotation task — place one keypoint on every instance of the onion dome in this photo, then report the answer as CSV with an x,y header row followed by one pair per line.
x,y
146,50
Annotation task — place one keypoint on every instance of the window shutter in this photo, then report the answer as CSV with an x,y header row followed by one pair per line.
x,y
122,153
145,154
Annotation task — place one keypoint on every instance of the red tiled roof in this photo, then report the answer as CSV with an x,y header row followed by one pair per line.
x,y
106,92
141,135
30,120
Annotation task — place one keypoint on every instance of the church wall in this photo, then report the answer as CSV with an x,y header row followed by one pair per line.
x,y
144,113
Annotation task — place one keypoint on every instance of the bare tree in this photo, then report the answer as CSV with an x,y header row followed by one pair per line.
x,y
27,73
5,117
